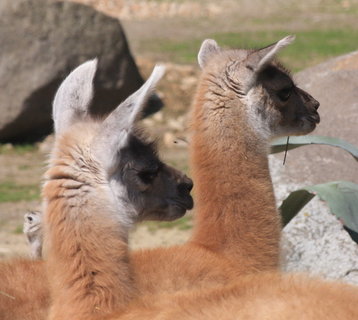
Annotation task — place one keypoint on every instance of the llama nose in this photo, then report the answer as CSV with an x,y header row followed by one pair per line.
x,y
316,104
186,186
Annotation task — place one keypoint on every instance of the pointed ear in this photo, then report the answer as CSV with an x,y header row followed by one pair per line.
x,y
74,96
117,127
259,59
208,48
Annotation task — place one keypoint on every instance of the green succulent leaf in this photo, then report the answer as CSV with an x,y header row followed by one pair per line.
x,y
341,197
279,145
293,204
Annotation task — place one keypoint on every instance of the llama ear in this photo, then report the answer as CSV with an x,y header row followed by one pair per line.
x,y
259,59
208,48
74,96
117,127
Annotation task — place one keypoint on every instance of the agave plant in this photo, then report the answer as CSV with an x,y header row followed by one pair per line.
x,y
341,196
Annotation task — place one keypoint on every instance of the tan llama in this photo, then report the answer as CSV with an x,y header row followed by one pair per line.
x,y
229,270
244,99
102,178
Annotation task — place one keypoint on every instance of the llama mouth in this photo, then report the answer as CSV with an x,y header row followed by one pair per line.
x,y
172,210
187,205
186,201
182,205
314,118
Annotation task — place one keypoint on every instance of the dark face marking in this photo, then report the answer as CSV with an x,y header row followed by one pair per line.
x,y
277,81
158,191
296,108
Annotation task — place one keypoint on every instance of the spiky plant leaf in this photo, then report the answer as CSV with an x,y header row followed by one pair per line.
x,y
341,197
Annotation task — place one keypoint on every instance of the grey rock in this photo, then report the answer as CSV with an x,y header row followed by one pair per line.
x,y
41,42
314,241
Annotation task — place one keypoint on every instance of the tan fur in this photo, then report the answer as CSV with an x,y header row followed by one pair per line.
x,y
85,274
102,178
264,296
260,296
229,270
24,291
232,182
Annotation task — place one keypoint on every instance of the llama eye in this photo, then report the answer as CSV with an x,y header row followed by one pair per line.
x,y
148,176
284,94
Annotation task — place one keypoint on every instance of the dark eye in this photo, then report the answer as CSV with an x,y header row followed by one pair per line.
x,y
147,176
284,94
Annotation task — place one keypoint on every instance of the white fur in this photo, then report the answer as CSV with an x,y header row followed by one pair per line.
x,y
207,49
74,96
33,231
256,122
275,49
116,129
126,214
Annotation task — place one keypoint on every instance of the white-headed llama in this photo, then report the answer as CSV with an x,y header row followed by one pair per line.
x,y
102,178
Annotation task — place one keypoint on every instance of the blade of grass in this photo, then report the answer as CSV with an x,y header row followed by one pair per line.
x,y
279,145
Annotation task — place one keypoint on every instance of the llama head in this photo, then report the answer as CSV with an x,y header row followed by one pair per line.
x,y
274,105
33,232
112,152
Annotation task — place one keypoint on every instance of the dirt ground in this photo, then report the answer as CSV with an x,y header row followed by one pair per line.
x,y
144,21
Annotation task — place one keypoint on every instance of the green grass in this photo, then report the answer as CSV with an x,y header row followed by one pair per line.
x,y
310,47
12,192
24,167
168,1
18,149
184,223
18,230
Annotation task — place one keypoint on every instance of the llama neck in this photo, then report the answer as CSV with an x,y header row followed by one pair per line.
x,y
86,246
235,207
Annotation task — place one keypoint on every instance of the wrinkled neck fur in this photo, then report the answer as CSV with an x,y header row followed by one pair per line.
x,y
232,182
83,184
219,114
86,238
225,146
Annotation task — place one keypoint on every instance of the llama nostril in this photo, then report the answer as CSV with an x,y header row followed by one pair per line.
x,y
185,187
316,105
190,185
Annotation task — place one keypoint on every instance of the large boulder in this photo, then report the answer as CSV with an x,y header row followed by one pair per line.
x,y
41,42
315,240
